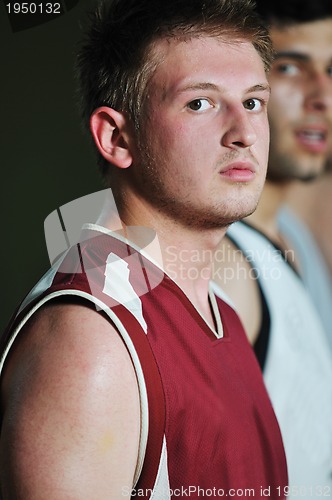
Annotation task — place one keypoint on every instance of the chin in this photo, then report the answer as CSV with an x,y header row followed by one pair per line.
x,y
241,217
247,210
227,221
295,173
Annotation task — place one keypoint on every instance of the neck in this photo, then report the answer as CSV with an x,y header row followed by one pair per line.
x,y
265,216
184,253
188,257
304,199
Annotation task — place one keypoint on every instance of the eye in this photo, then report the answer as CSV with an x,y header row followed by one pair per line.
x,y
289,69
199,105
253,104
329,71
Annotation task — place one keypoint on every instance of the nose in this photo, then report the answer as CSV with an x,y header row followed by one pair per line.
x,y
319,95
240,132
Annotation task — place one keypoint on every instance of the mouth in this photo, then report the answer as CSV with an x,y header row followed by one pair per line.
x,y
313,139
240,171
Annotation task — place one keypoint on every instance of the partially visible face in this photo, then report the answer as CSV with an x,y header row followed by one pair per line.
x,y
300,108
204,147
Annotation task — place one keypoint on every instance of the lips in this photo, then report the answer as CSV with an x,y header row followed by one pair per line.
x,y
243,171
313,139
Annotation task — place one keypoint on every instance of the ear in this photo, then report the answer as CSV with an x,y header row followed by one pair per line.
x,y
110,132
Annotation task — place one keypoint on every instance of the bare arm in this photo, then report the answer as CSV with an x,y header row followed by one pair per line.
x,y
71,410
233,273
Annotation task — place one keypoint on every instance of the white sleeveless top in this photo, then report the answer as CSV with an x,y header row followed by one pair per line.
x,y
314,271
298,367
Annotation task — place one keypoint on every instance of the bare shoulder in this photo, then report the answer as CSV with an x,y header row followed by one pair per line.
x,y
70,409
235,276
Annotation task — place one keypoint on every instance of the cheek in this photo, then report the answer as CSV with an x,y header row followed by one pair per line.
x,y
285,103
183,145
262,129
264,155
169,139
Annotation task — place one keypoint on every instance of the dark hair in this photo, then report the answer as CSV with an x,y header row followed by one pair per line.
x,y
287,12
114,63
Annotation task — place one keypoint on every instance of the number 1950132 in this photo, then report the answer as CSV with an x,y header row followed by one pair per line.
x,y
33,8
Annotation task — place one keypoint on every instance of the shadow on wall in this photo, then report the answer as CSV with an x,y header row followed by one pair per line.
x,y
46,158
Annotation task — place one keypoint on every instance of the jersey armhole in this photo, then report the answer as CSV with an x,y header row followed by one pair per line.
x,y
262,341
261,344
155,390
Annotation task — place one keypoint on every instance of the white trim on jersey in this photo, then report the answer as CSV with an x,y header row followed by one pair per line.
x,y
144,409
161,490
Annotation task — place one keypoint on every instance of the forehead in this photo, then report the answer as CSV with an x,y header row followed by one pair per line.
x,y
312,38
223,62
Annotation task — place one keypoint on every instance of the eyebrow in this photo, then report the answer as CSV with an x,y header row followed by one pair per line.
x,y
292,55
259,88
211,86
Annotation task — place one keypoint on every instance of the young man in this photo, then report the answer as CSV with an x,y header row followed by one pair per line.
x,y
118,380
279,317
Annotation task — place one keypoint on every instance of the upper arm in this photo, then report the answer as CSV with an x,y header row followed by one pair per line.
x,y
233,273
71,415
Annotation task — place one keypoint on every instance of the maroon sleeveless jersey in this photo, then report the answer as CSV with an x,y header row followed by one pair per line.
x,y
207,424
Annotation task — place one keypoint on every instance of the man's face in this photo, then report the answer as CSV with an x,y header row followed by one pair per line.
x,y
204,147
300,108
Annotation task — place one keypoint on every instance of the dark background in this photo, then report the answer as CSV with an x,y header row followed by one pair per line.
x,y
45,157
